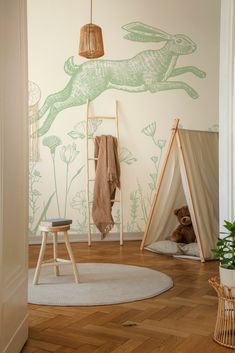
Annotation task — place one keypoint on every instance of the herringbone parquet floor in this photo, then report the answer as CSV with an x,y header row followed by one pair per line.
x,y
180,320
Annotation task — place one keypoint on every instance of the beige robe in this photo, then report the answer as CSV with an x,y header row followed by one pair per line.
x,y
107,179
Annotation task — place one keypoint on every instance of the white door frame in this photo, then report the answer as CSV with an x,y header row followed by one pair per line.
x,y
227,112
13,176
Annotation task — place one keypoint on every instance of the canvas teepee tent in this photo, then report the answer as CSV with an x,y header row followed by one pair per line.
x,y
189,176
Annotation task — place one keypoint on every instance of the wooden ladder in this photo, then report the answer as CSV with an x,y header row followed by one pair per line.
x,y
89,180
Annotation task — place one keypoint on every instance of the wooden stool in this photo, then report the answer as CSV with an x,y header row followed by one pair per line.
x,y
55,261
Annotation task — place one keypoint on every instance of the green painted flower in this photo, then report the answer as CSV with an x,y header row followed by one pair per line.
x,y
150,129
161,143
69,153
79,130
126,156
154,159
52,142
214,128
79,200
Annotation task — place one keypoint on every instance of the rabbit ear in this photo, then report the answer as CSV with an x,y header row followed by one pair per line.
x,y
142,38
144,33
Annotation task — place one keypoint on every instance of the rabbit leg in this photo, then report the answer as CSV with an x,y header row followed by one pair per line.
x,y
182,70
141,88
52,99
168,85
54,111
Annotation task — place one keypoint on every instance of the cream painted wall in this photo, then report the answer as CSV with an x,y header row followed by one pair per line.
x,y
53,37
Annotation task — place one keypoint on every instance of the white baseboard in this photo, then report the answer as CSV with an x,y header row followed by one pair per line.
x,y
77,238
19,339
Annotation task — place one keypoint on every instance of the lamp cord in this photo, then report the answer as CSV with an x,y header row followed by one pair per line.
x,y
91,12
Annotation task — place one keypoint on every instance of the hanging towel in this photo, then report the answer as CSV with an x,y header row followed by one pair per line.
x,y
107,179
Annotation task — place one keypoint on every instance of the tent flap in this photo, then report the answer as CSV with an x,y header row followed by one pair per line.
x,y
201,161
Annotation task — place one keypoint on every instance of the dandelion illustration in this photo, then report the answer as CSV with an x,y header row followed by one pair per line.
x,y
154,159
79,202
68,155
161,144
126,156
150,129
79,130
52,142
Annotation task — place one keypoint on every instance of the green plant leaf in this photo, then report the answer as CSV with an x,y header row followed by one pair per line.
x,y
74,134
42,216
75,175
225,247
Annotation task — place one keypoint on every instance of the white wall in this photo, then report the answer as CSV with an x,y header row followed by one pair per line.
x,y
53,37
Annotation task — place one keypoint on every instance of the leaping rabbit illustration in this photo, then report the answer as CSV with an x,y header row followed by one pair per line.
x,y
150,70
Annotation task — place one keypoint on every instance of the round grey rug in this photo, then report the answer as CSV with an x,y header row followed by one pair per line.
x,y
100,284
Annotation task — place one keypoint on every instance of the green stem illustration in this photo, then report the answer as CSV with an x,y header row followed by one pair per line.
x,y
42,216
142,203
75,175
159,162
66,189
55,181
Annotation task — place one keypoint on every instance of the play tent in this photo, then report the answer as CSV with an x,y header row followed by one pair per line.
x,y
189,175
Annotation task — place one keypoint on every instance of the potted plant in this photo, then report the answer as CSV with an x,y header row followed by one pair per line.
x,y
225,252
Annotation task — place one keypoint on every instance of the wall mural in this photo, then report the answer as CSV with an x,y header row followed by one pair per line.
x,y
149,71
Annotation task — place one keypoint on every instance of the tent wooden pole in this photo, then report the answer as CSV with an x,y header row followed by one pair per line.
x,y
193,216
159,181
87,176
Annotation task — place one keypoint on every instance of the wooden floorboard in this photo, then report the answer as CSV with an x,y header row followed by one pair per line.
x,y
180,320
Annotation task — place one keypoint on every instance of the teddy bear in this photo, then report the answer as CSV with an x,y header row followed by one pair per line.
x,y
184,233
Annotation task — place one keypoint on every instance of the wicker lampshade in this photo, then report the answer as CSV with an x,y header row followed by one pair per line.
x,y
91,41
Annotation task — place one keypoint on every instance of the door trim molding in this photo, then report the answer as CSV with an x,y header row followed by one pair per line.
x,y
227,113
19,338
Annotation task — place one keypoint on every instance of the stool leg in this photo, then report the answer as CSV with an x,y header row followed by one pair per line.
x,y
56,267
68,246
40,258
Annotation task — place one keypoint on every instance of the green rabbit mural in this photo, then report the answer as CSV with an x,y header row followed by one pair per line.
x,y
148,71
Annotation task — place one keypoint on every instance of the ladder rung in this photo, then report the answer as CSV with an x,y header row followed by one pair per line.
x,y
93,159
93,138
101,117
113,223
110,200
91,179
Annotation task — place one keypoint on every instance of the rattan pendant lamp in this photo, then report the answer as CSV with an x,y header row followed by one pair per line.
x,y
91,41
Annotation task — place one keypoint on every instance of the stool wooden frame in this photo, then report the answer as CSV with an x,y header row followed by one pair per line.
x,y
224,333
55,261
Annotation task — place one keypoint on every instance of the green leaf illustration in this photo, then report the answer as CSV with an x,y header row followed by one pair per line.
x,y
42,216
75,175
